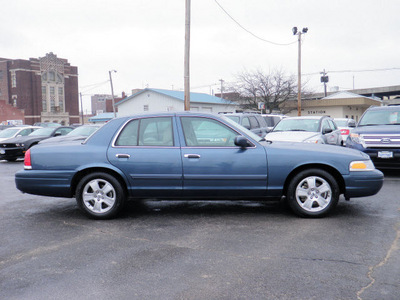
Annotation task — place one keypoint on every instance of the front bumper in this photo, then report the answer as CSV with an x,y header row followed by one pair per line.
x,y
362,184
11,153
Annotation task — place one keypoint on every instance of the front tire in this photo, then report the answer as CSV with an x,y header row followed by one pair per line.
x,y
100,195
313,193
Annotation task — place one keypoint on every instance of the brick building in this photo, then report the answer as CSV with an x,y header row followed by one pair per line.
x,y
44,89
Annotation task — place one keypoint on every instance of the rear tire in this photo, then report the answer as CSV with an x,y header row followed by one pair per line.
x,y
100,196
313,193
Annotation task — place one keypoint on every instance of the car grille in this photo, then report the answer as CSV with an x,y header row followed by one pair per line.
x,y
381,140
7,145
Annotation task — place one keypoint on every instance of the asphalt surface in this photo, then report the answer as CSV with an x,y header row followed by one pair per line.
x,y
198,250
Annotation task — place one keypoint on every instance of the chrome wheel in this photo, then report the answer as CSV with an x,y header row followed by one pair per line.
x,y
313,194
99,196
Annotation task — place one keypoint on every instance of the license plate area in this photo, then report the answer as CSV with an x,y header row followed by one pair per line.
x,y
385,154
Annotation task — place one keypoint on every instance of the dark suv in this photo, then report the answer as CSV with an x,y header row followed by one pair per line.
x,y
251,121
378,134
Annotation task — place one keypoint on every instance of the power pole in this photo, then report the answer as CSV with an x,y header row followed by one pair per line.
x,y
324,80
222,89
187,55
299,33
112,92
80,94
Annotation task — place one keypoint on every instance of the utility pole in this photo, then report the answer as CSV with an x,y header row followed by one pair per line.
x,y
222,88
324,79
299,33
112,91
187,55
80,94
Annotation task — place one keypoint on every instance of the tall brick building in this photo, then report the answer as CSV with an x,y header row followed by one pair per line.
x,y
44,89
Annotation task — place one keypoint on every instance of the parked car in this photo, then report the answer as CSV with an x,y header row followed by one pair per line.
x,y
17,131
47,124
193,156
272,120
78,134
317,130
251,121
2,127
345,125
14,148
378,135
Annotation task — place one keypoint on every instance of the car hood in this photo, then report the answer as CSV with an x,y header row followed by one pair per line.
x,y
290,136
59,139
377,129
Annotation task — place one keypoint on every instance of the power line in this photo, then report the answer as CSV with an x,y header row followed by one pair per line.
x,y
248,31
355,71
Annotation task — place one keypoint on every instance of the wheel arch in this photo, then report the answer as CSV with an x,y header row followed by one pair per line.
x,y
82,173
331,170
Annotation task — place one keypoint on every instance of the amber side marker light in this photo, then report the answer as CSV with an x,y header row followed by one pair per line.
x,y
27,160
362,166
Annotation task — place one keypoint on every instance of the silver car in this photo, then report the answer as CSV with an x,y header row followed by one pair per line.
x,y
345,126
319,130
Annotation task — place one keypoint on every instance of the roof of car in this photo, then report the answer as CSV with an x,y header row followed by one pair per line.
x,y
389,107
309,117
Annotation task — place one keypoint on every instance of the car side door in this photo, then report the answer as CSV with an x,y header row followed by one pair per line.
x,y
213,166
328,135
147,151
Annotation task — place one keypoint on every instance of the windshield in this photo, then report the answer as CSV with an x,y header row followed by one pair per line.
x,y
43,131
240,127
6,133
83,130
311,125
380,117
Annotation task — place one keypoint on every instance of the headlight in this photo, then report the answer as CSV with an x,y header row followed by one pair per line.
x,y
356,138
313,141
361,165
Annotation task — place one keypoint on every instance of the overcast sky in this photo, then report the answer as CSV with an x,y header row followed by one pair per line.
x,y
144,40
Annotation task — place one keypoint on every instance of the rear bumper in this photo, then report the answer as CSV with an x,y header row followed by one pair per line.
x,y
45,183
362,184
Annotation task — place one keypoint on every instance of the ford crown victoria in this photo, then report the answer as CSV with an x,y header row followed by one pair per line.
x,y
194,156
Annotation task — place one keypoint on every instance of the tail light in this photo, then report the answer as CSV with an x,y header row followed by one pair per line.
x,y
27,160
344,131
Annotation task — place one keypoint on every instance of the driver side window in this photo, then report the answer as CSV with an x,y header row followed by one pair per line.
x,y
204,132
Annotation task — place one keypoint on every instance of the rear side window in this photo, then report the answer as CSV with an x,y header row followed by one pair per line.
x,y
147,132
254,123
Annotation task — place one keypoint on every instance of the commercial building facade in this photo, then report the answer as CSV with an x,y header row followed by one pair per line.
x,y
44,89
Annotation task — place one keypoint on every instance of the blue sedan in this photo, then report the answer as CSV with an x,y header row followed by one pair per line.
x,y
194,156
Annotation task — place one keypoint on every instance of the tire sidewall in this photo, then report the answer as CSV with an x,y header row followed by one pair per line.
x,y
291,194
119,197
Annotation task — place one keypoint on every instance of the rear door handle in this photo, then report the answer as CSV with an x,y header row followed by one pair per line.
x,y
192,155
122,155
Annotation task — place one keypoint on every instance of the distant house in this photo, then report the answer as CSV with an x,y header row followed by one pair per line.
x,y
157,100
339,105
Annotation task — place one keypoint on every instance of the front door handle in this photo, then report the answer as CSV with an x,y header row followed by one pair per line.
x,y
192,155
122,155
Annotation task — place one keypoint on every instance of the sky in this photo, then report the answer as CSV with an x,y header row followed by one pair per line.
x,y
357,42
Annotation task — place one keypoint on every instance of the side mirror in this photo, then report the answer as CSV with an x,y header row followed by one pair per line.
x,y
352,124
241,141
326,130
57,134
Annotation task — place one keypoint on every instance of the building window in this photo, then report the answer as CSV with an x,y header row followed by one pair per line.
x,y
61,99
1,74
44,98
146,107
13,79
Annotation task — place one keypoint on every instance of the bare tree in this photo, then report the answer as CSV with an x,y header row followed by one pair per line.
x,y
272,89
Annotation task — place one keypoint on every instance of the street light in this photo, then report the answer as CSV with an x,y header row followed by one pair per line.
x,y
112,91
299,33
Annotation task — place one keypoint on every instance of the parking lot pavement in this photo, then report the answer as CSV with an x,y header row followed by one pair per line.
x,y
198,250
